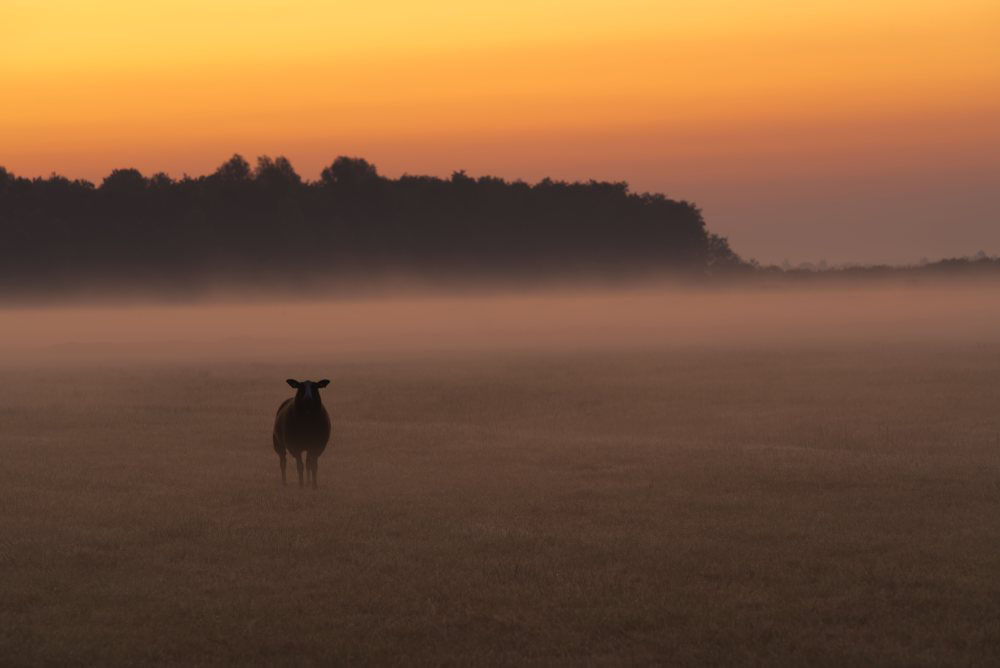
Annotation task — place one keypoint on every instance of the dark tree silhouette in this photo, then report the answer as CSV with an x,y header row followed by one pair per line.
x,y
123,183
234,170
265,226
277,174
349,172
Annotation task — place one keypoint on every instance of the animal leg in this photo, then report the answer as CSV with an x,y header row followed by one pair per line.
x,y
312,465
284,463
298,465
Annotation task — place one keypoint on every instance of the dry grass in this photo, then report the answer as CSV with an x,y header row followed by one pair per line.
x,y
826,506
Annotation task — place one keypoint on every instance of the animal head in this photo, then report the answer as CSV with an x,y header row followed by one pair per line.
x,y
306,391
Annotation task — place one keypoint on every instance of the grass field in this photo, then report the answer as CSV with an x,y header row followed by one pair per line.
x,y
821,505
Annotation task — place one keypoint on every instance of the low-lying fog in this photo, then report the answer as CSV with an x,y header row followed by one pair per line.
x,y
554,320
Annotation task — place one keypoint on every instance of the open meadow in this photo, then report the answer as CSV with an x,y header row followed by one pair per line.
x,y
581,488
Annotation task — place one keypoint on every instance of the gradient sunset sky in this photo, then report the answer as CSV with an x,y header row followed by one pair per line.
x,y
850,131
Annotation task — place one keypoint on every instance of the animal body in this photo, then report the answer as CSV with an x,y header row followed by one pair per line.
x,y
302,426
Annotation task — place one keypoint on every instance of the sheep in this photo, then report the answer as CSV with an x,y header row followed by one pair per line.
x,y
302,425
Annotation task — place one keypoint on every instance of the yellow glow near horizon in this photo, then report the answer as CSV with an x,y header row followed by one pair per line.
x,y
662,89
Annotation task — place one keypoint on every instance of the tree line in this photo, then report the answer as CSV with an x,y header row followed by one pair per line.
x,y
265,225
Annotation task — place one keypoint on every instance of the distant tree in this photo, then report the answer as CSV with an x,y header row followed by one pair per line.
x,y
265,224
236,169
349,172
124,181
160,181
720,257
277,173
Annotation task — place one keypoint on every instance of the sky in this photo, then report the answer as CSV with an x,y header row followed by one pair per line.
x,y
845,131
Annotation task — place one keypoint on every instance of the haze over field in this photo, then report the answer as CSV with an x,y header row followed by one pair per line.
x,y
687,477
567,320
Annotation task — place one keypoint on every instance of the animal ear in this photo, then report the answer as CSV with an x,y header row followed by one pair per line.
x,y
323,383
293,383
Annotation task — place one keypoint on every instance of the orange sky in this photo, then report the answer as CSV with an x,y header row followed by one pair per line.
x,y
845,130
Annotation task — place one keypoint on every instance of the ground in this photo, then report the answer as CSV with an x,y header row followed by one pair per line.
x,y
821,505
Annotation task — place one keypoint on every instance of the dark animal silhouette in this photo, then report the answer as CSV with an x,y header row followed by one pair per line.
x,y
302,425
